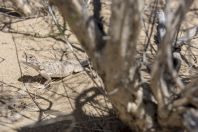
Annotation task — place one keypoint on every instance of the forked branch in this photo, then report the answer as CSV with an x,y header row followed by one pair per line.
x,y
164,74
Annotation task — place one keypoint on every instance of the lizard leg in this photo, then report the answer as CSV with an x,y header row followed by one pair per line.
x,y
47,77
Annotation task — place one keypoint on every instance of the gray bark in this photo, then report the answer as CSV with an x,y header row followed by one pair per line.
x,y
141,108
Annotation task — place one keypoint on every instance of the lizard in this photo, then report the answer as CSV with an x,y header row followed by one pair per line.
x,y
54,68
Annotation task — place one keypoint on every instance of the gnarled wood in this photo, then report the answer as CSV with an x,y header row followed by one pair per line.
x,y
116,58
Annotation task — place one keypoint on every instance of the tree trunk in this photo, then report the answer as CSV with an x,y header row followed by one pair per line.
x,y
151,108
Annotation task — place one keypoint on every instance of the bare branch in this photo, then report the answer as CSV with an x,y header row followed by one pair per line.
x,y
82,25
26,7
191,120
163,73
117,58
188,105
191,33
161,27
120,65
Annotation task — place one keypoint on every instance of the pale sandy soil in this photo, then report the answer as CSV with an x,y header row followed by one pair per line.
x,y
77,98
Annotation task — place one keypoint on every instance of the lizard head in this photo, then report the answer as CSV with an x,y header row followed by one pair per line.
x,y
30,60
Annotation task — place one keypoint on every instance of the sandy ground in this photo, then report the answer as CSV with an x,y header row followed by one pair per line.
x,y
76,102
